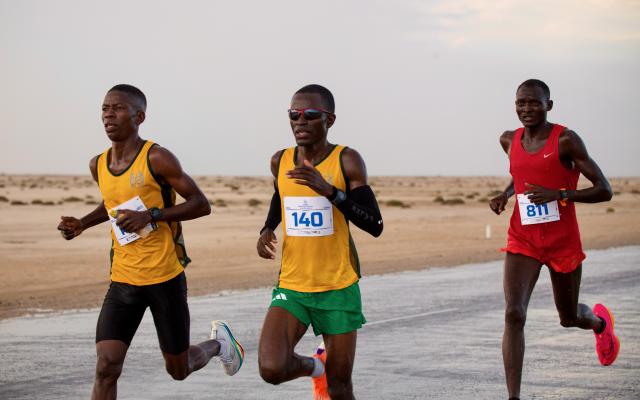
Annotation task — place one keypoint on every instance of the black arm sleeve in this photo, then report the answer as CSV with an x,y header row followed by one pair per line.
x,y
362,209
275,212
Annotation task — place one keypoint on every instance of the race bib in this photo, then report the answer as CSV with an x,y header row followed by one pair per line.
x,y
123,237
537,214
308,216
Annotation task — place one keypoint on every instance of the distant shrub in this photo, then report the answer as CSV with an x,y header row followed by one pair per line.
x,y
4,199
494,193
611,209
18,203
450,202
454,202
220,203
483,200
397,203
254,202
39,202
72,199
232,186
635,191
91,202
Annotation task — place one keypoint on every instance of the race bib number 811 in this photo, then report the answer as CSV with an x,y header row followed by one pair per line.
x,y
537,214
308,216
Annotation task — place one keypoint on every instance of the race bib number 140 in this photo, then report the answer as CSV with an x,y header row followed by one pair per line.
x,y
537,214
308,216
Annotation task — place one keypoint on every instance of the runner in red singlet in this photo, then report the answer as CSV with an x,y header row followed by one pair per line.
x,y
546,160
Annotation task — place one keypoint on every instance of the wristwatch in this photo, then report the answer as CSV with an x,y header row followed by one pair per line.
x,y
156,214
564,194
337,197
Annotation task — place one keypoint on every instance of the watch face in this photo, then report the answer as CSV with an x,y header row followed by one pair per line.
x,y
155,213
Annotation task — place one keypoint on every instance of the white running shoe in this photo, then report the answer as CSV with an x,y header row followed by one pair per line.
x,y
231,352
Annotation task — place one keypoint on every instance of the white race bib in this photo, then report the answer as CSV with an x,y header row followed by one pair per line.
x,y
308,216
537,214
123,237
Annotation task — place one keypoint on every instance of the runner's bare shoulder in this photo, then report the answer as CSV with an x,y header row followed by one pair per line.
x,y
505,140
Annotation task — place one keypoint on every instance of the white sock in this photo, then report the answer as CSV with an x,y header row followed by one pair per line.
x,y
223,348
318,368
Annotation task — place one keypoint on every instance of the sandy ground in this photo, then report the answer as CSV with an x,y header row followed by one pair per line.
x,y
43,272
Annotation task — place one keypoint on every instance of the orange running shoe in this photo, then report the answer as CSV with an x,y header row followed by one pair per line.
x,y
607,343
320,388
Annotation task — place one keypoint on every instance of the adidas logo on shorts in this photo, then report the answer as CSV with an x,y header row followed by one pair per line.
x,y
280,296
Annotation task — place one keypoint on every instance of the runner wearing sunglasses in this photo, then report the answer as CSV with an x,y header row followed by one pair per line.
x,y
138,181
319,188
546,160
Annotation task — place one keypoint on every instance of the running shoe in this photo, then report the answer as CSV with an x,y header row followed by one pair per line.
x,y
607,343
320,388
231,352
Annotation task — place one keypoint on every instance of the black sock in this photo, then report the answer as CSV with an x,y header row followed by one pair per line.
x,y
604,325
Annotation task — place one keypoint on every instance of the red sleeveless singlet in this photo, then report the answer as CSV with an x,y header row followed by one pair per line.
x,y
556,244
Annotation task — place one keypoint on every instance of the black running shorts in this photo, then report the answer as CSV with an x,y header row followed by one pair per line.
x,y
124,305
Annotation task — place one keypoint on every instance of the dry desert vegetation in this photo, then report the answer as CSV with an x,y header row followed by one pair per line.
x,y
429,222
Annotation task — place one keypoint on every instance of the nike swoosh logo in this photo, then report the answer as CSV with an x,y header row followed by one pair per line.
x,y
547,155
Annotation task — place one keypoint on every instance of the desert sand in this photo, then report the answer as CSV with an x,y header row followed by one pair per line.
x,y
429,222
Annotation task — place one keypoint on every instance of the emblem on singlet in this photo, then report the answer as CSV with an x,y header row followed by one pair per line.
x,y
136,179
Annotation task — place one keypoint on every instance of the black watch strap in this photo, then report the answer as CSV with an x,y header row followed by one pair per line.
x,y
156,214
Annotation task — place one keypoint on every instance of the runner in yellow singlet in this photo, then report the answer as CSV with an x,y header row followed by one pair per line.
x,y
138,181
320,188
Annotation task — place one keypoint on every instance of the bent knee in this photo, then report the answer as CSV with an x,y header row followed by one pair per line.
x,y
273,374
569,322
177,373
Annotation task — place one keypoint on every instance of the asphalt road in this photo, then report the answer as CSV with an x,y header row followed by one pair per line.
x,y
432,334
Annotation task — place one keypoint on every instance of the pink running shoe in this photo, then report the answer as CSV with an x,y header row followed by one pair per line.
x,y
320,387
607,343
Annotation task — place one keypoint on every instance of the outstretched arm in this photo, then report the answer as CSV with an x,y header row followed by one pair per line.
x,y
71,227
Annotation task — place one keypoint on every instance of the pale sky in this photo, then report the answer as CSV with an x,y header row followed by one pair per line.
x,y
421,87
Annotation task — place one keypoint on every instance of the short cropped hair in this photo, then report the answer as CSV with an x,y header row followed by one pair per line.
x,y
325,96
131,91
537,83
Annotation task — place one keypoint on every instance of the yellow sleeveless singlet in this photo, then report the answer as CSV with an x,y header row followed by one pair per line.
x,y
158,257
318,253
